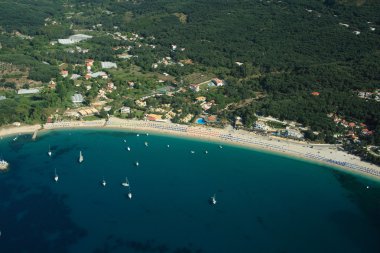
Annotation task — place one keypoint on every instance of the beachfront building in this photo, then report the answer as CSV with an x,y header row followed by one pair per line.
x,y
294,133
140,103
27,91
211,119
2,98
187,118
238,122
154,117
125,110
261,126
87,112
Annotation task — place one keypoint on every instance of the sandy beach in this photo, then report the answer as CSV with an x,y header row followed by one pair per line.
x,y
14,130
327,154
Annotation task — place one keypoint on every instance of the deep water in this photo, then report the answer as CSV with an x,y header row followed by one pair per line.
x,y
265,202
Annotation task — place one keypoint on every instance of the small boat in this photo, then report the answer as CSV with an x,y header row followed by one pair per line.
x,y
137,163
80,157
146,144
104,183
220,146
125,140
168,146
126,183
15,139
137,135
49,152
147,134
130,195
55,175
128,148
213,200
206,152
3,164
192,151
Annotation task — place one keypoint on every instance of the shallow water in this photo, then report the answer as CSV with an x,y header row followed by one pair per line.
x,y
266,203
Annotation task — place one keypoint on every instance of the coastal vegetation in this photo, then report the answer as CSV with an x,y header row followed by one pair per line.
x,y
295,60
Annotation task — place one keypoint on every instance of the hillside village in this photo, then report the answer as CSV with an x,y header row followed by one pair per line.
x,y
100,69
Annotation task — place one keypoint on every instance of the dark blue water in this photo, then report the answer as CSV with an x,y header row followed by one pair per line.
x,y
266,203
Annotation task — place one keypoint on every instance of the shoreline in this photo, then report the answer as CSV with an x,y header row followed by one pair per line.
x,y
322,154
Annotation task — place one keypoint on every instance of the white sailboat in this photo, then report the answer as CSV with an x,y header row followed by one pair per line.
x,y
213,200
146,144
126,183
130,195
128,148
104,182
80,157
168,146
220,146
137,135
49,152
137,163
55,175
206,152
192,151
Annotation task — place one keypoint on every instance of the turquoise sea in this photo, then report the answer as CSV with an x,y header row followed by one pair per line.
x,y
265,202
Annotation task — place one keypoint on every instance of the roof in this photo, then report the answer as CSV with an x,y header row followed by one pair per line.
x,y
108,64
75,76
27,91
97,74
2,97
74,39
154,117
315,93
211,118
77,98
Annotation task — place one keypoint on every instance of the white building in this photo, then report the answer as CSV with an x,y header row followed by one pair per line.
x,y
293,133
77,98
261,126
125,110
74,39
27,91
108,65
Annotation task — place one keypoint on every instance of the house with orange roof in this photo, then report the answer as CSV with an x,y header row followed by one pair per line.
x,y
64,73
154,117
217,82
211,119
315,93
89,62
201,99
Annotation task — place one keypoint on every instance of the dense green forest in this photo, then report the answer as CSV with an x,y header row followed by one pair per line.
x,y
27,16
287,49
